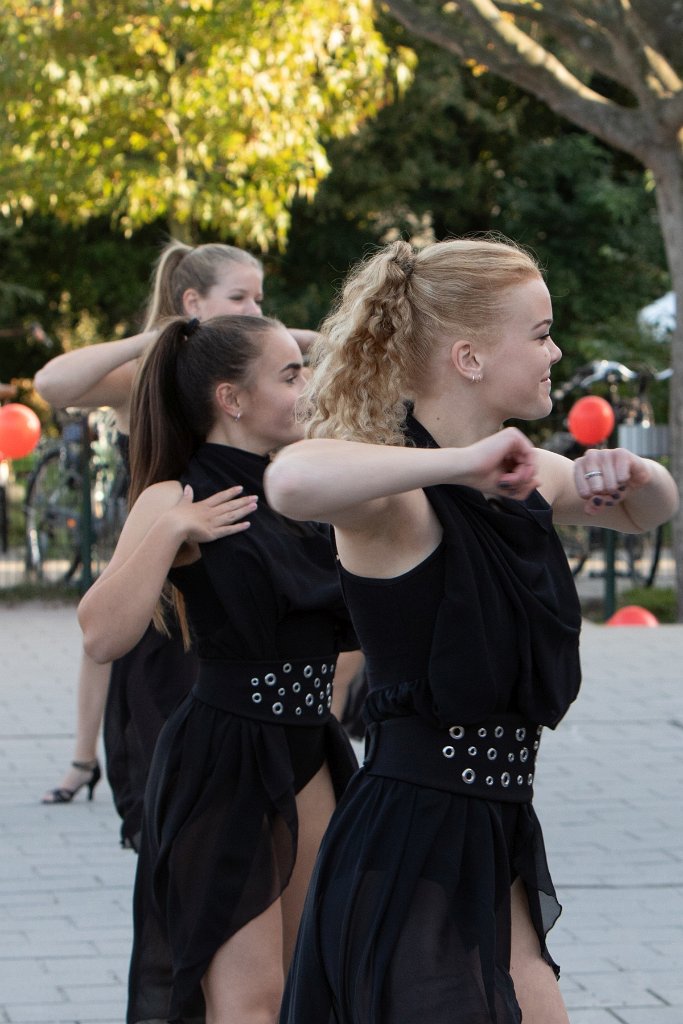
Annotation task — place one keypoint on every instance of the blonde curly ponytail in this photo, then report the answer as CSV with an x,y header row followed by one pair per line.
x,y
375,348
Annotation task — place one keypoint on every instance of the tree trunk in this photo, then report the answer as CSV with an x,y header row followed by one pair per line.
x,y
667,168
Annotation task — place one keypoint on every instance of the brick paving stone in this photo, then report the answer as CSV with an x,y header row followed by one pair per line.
x,y
608,796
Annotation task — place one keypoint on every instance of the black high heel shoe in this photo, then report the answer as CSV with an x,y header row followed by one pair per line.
x,y
65,796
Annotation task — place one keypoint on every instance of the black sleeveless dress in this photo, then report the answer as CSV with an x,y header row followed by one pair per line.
x,y
145,685
468,655
219,834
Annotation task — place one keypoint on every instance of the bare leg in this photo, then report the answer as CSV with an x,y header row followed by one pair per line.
x,y
538,992
315,804
245,979
93,683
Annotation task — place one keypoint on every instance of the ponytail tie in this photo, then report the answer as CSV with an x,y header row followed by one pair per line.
x,y
190,327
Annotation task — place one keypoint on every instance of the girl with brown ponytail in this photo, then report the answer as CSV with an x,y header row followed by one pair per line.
x,y
432,895
247,769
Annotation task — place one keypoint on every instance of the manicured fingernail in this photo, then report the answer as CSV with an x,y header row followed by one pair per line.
x,y
616,496
597,501
504,486
610,503
622,487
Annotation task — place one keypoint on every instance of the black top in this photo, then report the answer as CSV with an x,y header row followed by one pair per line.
x,y
489,622
269,592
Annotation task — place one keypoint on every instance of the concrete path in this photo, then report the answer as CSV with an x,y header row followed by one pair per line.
x,y
609,792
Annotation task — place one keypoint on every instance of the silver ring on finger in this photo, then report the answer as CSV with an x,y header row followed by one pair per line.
x,y
593,472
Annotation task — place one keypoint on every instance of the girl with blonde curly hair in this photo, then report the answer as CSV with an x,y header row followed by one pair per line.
x,y
432,895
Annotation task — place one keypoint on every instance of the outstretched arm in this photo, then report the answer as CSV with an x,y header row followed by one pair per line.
x,y
117,609
95,375
608,487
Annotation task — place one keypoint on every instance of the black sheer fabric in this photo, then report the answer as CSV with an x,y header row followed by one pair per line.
x,y
220,827
408,915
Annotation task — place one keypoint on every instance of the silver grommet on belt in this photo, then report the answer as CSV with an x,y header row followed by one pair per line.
x,y
281,692
456,732
472,751
529,778
524,754
278,708
511,757
520,734
498,731
270,679
286,667
256,697
448,751
320,709
255,681
309,699
296,687
505,779
297,711
308,671
489,780
482,732
316,683
492,753
468,776
520,780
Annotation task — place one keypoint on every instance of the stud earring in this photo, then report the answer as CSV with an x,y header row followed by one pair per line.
x,y
477,378
237,416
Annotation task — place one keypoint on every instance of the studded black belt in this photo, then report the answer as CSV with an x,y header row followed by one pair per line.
x,y
494,760
296,692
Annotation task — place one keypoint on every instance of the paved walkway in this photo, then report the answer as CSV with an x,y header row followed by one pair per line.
x,y
609,796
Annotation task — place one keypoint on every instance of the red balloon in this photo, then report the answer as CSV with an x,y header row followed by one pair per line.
x,y
633,615
591,420
19,430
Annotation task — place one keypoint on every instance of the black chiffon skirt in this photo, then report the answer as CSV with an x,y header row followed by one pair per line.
x,y
219,843
407,917
145,686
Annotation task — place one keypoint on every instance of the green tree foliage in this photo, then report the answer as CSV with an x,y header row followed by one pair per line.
x,y
211,114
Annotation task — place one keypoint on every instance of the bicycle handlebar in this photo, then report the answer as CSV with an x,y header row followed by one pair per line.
x,y
607,370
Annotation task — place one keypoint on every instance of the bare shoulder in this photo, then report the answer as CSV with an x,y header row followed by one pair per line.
x,y
395,534
157,498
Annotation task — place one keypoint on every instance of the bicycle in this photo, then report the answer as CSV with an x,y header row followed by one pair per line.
x,y
636,555
54,499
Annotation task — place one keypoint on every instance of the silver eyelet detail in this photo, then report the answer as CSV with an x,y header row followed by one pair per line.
x,y
529,778
281,692
255,681
472,751
286,667
270,679
309,700
308,671
329,702
296,687
316,683
539,730
536,744
492,753
257,698
505,779
520,780
278,708
456,732
297,711
468,776
511,757
524,755
520,734
489,780
448,752
482,732
498,731
320,710
323,669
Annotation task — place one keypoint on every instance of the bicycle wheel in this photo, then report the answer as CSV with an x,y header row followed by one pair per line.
x,y
642,555
53,511
576,542
109,504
